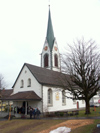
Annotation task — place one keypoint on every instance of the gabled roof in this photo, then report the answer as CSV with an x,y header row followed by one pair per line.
x,y
26,95
50,34
45,76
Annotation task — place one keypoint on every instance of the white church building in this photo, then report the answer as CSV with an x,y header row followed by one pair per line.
x,y
40,87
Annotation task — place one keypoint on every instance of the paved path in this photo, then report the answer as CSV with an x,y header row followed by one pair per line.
x,y
59,118
3,119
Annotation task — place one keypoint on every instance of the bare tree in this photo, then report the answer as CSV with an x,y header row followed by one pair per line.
x,y
82,64
2,82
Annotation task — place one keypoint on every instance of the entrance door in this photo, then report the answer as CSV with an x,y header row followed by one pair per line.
x,y
24,107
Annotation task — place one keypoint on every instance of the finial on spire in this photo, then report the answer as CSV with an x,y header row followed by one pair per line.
x,y
49,3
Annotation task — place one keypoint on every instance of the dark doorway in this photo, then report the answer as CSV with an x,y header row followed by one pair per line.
x,y
24,107
24,104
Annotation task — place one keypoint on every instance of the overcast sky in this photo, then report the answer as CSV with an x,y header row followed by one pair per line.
x,y
23,27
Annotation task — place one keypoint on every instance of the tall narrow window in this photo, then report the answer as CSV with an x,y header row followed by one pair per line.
x,y
63,98
21,84
49,97
56,60
29,83
46,60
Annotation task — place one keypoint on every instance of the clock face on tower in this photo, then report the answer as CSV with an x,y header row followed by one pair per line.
x,y
45,48
55,48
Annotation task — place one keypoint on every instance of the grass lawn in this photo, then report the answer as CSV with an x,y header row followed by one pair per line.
x,y
35,126
93,113
86,129
26,125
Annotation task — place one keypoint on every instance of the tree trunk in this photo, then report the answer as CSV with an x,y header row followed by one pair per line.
x,y
87,108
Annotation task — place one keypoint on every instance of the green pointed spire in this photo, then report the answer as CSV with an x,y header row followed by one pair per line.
x,y
50,35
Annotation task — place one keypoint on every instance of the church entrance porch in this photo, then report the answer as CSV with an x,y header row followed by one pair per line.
x,y
22,108
22,101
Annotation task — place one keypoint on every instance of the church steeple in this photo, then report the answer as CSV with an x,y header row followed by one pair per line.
x,y
50,34
50,57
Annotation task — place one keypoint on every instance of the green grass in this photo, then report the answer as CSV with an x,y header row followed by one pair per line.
x,y
87,128
34,126
26,125
93,113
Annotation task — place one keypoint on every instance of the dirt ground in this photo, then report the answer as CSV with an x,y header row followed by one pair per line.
x,y
71,124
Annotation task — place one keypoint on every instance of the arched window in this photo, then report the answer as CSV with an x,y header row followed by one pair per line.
x,y
29,83
46,60
63,97
49,97
21,84
56,60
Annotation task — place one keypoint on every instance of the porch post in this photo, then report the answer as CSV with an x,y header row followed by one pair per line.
x,y
1,105
13,109
8,107
26,108
16,107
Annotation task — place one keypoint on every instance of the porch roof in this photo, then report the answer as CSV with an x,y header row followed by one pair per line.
x,y
5,93
26,95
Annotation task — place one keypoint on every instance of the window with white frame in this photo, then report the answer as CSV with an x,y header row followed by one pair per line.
x,y
49,97
21,84
29,83
63,97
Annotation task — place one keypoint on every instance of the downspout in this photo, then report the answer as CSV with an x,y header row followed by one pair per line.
x,y
41,59
60,60
42,96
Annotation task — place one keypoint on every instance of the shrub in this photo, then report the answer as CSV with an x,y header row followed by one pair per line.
x,y
61,113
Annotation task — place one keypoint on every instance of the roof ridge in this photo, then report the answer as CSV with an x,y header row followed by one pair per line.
x,y
43,68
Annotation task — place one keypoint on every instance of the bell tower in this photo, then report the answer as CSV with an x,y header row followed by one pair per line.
x,y
50,56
